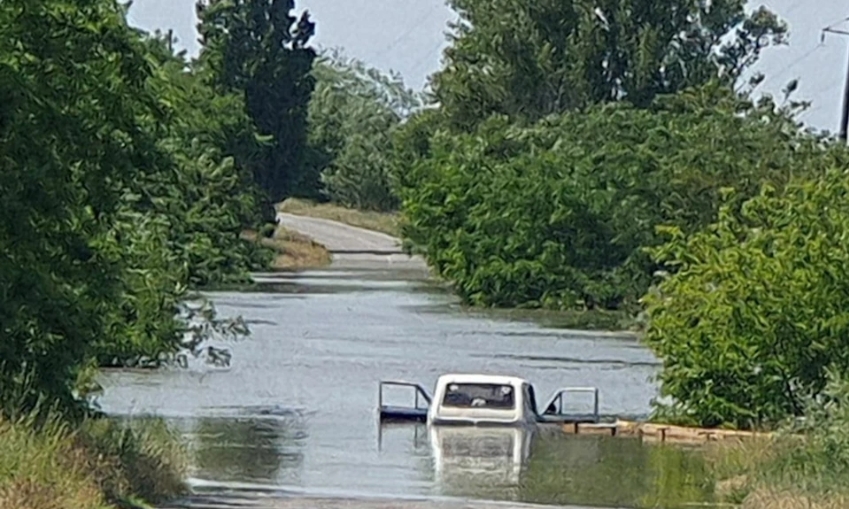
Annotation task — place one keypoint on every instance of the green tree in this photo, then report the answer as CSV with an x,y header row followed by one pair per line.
x,y
211,196
71,87
257,48
179,224
117,200
353,114
530,58
557,215
755,315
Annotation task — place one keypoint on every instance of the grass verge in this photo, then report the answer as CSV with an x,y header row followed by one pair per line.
x,y
101,465
294,251
805,464
778,473
384,222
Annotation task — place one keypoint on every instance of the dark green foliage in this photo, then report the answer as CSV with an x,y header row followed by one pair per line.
x,y
531,58
258,49
192,212
353,114
116,195
557,215
68,139
756,311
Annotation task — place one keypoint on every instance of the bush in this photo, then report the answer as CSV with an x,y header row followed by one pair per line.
x,y
557,215
756,311
353,113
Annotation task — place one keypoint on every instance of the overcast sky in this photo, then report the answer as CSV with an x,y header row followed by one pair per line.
x,y
408,36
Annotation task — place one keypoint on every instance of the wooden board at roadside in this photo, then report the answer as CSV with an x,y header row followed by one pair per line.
x,y
652,432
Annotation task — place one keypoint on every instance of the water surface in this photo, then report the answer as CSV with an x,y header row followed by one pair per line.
x,y
297,406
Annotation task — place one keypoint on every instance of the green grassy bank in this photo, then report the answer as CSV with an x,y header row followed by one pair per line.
x,y
99,465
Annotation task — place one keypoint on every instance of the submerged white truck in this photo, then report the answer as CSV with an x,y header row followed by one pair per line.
x,y
481,426
484,400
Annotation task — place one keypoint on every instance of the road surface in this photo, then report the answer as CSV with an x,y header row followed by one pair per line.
x,y
318,502
350,246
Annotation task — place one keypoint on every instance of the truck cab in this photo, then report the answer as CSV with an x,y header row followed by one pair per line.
x,y
481,400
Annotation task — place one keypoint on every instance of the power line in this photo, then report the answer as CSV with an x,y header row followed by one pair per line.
x,y
829,29
796,61
407,32
844,120
832,27
427,56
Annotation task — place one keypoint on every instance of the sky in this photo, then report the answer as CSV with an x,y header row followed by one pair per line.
x,y
408,36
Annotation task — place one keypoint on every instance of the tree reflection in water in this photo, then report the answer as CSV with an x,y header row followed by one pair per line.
x,y
248,450
594,470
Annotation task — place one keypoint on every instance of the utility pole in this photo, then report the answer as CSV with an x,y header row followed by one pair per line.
x,y
844,120
170,40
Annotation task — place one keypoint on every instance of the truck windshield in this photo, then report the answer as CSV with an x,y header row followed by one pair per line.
x,y
479,396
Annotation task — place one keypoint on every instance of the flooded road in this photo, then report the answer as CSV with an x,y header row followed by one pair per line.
x,y
297,407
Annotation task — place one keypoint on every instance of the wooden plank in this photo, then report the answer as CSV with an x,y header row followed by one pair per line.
x,y
655,432
587,428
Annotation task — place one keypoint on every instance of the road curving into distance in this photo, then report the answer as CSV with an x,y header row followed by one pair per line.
x,y
352,247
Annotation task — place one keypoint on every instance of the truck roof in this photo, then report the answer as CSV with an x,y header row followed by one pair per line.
x,y
469,378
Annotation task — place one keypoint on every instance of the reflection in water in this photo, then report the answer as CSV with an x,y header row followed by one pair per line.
x,y
246,450
548,467
479,461
321,345
618,472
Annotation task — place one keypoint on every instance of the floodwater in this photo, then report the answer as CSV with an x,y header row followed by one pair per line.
x,y
297,407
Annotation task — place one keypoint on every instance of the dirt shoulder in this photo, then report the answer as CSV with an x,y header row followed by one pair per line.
x,y
294,250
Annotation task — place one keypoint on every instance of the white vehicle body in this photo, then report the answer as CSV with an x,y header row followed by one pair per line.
x,y
482,400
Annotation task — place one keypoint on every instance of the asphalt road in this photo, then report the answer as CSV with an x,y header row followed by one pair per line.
x,y
317,502
350,246
341,238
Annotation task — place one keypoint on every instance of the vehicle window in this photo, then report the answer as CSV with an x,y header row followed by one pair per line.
x,y
479,396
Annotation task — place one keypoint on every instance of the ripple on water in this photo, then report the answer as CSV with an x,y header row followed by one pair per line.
x,y
297,407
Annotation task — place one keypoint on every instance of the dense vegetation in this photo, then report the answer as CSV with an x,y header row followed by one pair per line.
x,y
575,156
127,176
353,114
554,154
119,197
755,316
558,214
613,158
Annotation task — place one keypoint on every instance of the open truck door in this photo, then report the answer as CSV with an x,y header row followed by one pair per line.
x,y
417,412
557,412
